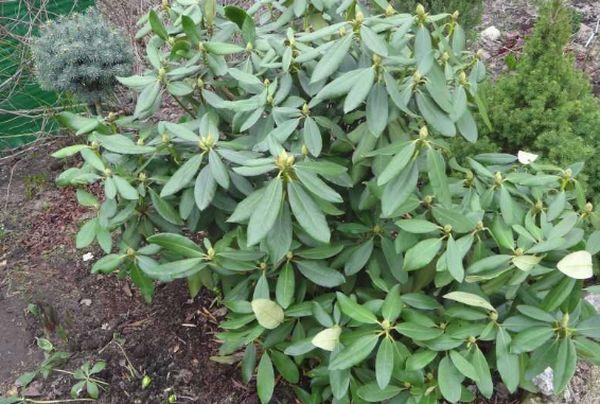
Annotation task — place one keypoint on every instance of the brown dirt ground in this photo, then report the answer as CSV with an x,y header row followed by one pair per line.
x,y
170,340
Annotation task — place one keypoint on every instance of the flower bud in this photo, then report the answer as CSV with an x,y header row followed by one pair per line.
x,y
420,10
423,132
360,17
389,11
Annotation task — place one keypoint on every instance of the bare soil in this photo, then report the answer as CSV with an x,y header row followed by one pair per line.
x,y
170,340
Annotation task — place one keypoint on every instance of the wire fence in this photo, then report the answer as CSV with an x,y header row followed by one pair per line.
x,y
25,109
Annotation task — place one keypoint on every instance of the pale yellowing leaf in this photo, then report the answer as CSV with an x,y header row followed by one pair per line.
x,y
268,313
328,338
526,262
470,300
577,265
526,157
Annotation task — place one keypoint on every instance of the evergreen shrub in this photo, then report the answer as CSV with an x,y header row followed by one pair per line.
x,y
311,189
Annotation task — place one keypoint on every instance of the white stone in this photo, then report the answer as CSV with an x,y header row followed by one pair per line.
x,y
490,33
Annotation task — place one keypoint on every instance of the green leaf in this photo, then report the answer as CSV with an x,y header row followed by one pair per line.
x,y
317,186
157,26
122,145
449,380
396,164
243,21
397,191
421,254
484,377
189,27
312,136
373,394
164,208
320,274
590,327
454,259
417,331
182,176
506,362
435,116
530,339
354,310
286,284
436,167
463,365
354,353
265,214
86,234
174,270
285,366
248,362
107,263
377,109
565,365
330,62
204,188
69,151
359,258
124,188
218,169
359,90
265,379
420,359
307,213
373,41
384,363
268,313
177,243
469,299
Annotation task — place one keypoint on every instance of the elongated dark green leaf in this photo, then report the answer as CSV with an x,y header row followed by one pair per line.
x,y
396,164
373,41
484,377
463,365
397,191
218,169
530,339
265,379
265,214
384,363
422,254
354,310
454,259
157,26
330,62
359,90
435,116
377,109
564,365
164,208
177,243
286,284
320,274
506,362
355,353
204,188
312,136
307,213
182,176
449,380
436,167
359,257
317,186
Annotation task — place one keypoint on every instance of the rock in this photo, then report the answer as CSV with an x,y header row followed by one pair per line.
x,y
490,34
594,300
544,382
86,302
